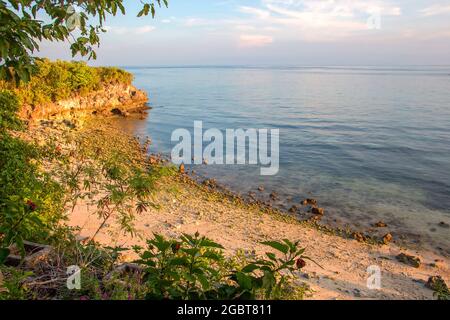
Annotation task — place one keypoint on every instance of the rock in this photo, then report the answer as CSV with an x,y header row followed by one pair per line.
x,y
357,293
409,260
442,224
387,238
181,170
380,224
125,269
34,254
293,209
319,211
358,237
307,276
153,160
312,202
436,283
273,196
261,188
212,183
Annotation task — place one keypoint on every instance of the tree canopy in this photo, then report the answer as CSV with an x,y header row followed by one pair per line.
x,y
25,23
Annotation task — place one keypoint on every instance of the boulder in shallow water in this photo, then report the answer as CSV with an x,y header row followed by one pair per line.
x,y
409,260
387,238
319,211
359,237
312,202
380,224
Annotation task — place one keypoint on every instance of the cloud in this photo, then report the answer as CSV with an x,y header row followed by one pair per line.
x,y
434,10
259,13
144,29
128,30
254,40
338,8
318,20
197,22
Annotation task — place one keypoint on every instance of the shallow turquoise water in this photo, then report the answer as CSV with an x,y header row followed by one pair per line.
x,y
369,143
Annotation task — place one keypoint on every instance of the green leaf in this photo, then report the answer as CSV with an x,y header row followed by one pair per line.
x,y
4,253
271,256
203,281
277,245
250,268
182,261
268,280
244,281
209,243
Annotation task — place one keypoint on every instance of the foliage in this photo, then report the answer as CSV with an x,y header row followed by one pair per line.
x,y
438,285
195,268
109,170
8,109
22,29
12,284
30,206
58,80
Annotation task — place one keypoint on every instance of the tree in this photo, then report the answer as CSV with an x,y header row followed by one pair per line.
x,y
25,23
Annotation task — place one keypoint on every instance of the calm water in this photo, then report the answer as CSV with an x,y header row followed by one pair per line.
x,y
369,143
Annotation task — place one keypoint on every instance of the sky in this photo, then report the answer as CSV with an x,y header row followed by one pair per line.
x,y
276,32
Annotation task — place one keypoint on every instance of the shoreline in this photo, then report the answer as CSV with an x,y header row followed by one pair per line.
x,y
187,206
374,229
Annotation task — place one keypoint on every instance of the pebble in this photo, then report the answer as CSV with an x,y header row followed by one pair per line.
x,y
442,224
387,238
409,260
380,224
319,211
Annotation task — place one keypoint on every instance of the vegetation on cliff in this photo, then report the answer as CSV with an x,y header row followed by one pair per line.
x,y
54,81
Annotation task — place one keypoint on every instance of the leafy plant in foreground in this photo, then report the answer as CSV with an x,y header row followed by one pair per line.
x,y
195,268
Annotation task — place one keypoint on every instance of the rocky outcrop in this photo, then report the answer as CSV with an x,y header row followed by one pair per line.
x,y
118,99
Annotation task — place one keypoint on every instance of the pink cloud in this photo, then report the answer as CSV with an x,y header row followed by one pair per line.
x,y
254,40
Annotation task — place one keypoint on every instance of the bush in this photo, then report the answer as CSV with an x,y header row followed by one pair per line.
x,y
113,75
9,106
195,268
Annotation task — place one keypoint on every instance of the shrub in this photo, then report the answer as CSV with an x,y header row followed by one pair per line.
x,y
111,75
83,79
9,106
195,268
